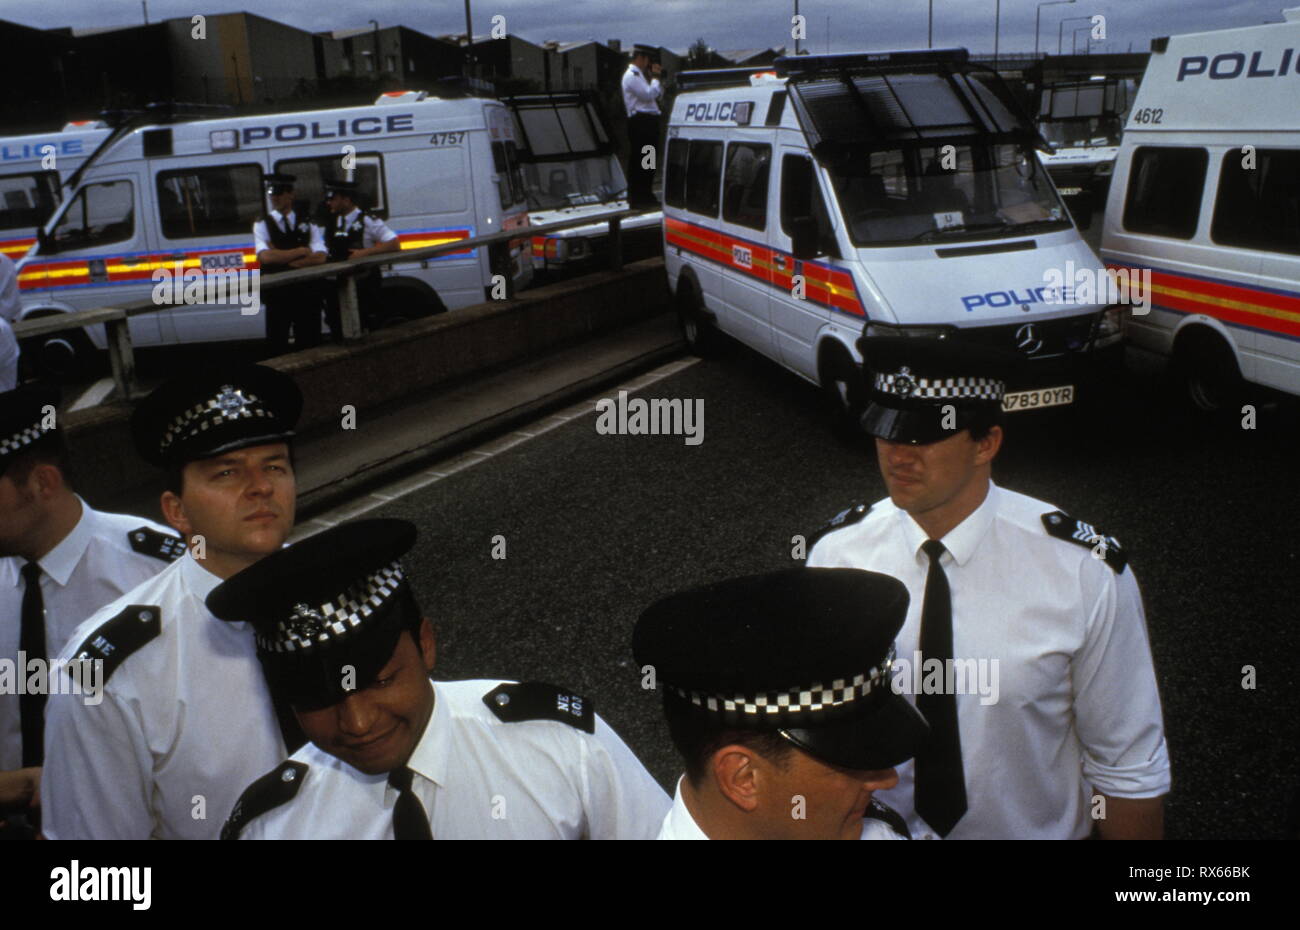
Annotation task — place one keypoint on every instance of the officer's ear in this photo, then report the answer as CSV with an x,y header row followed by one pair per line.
x,y
987,447
735,771
173,512
427,643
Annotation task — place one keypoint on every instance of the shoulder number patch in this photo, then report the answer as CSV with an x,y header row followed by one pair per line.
x,y
276,787
534,700
148,541
117,638
1107,548
844,518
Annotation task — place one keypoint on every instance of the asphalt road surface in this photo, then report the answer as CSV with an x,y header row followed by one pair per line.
x,y
597,526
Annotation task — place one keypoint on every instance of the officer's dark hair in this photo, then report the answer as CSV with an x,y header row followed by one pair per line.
x,y
698,736
49,449
981,422
174,475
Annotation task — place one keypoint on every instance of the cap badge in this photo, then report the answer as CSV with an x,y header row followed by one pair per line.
x,y
305,621
904,384
231,401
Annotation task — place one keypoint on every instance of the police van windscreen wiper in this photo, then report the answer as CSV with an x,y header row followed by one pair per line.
x,y
937,231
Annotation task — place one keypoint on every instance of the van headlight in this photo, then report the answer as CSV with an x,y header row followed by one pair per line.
x,y
578,248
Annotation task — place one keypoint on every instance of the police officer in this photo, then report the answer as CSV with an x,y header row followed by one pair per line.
x,y
184,717
60,561
777,690
285,240
1026,641
394,755
354,233
641,104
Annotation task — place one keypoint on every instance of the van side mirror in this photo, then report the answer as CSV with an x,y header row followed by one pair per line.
x,y
804,236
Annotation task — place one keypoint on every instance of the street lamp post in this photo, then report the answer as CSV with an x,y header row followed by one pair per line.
x,y
1074,38
796,40
997,27
1038,15
1060,31
929,34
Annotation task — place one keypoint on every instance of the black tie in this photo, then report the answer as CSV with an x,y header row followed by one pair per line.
x,y
940,781
410,822
31,641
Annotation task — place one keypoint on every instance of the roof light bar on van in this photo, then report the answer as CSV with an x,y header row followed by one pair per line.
x,y
390,97
715,77
791,65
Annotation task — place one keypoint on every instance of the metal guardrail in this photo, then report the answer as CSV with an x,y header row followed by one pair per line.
x,y
121,353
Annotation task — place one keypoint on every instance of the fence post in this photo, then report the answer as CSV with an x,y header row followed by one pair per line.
x,y
616,243
349,311
121,357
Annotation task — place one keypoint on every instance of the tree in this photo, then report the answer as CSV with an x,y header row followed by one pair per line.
x,y
699,55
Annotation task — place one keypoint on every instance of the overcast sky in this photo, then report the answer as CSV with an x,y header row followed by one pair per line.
x,y
724,24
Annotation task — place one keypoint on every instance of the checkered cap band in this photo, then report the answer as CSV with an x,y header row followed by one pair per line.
x,y
904,384
227,405
22,439
791,703
310,625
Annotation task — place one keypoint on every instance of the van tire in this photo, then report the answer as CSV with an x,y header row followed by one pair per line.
x,y
1207,374
700,335
403,304
68,354
845,391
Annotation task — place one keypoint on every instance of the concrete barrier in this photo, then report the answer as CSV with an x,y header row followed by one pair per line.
x,y
392,363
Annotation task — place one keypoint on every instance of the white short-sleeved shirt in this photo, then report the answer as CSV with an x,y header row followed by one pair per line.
x,y
185,723
374,230
10,310
1076,697
640,95
262,237
681,825
104,556
479,777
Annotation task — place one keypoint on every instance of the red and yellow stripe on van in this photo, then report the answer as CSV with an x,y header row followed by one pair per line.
x,y
55,274
1269,311
547,247
824,284
425,238
16,248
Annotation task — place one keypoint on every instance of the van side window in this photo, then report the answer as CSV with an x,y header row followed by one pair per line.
x,y
800,196
1164,190
310,175
744,186
196,203
101,213
28,199
1259,207
703,177
675,173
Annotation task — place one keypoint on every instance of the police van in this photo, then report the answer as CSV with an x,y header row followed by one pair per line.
x,y
900,189
1083,120
571,171
183,197
33,170
1206,195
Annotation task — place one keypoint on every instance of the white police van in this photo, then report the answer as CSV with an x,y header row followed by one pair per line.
x,y
1206,195
900,189
33,169
1083,122
186,194
571,171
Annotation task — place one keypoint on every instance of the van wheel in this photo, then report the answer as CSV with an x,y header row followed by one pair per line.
x,y
66,354
1208,374
402,305
845,393
700,336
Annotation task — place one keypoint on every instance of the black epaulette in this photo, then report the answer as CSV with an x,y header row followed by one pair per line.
x,y
1103,547
148,541
533,700
844,518
878,811
276,787
118,637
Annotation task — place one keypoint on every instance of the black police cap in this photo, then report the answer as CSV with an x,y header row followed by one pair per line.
x,y
277,183
347,188
649,51
327,611
215,409
25,419
923,389
806,652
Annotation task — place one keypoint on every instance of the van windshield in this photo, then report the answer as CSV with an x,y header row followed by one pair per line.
x,y
555,184
918,193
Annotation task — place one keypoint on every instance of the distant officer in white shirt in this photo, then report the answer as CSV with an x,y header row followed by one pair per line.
x,y
355,233
1025,646
285,241
185,716
10,311
641,104
777,693
394,755
60,561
